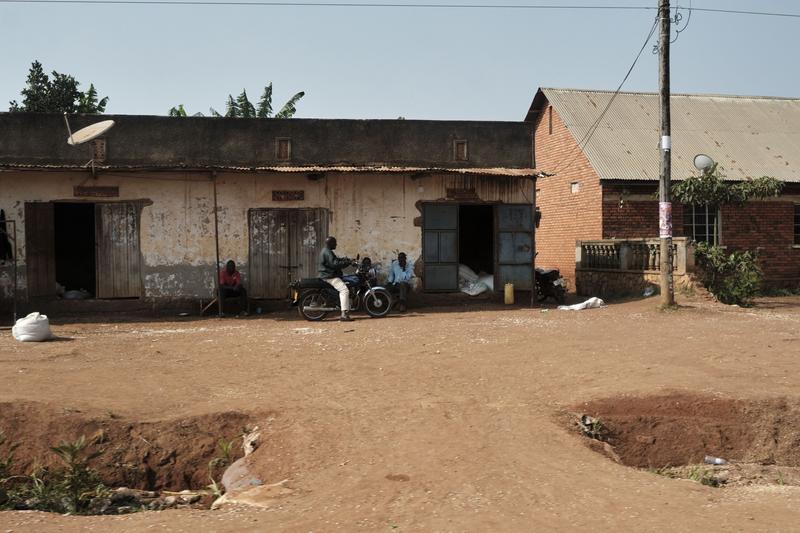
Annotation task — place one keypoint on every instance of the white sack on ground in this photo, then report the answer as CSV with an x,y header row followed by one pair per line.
x,y
465,273
474,289
591,303
82,294
32,328
487,279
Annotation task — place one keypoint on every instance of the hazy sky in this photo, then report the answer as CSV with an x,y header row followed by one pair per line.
x,y
387,62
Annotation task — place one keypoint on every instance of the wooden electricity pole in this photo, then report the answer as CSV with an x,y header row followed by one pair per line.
x,y
664,205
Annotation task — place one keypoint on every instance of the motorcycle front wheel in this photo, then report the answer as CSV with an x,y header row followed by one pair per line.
x,y
377,303
310,300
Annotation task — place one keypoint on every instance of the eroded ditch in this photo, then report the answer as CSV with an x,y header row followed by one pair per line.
x,y
116,465
681,435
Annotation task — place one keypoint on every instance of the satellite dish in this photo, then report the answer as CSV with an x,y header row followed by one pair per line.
x,y
703,163
89,132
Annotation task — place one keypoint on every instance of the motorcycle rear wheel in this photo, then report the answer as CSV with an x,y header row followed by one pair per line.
x,y
378,303
311,299
560,295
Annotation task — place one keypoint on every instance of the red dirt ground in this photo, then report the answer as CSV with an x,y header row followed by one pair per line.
x,y
164,455
678,429
445,420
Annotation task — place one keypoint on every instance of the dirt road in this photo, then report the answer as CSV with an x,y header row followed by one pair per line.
x,y
445,420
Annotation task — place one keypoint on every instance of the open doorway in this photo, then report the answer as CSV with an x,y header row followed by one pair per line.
x,y
476,237
75,246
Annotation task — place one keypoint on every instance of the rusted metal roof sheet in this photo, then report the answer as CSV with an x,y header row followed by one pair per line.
x,y
505,172
748,136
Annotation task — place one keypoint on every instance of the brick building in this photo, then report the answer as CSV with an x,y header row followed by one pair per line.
x,y
606,188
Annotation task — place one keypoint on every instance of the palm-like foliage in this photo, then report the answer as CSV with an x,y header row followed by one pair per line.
x,y
288,110
242,107
178,111
265,104
246,108
88,102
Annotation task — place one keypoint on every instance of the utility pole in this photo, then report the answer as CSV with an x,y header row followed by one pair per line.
x,y
664,204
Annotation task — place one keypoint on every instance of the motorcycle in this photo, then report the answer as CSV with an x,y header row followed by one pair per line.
x,y
550,284
315,297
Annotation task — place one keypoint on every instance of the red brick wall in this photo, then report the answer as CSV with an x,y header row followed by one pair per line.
x,y
631,211
566,216
768,226
764,225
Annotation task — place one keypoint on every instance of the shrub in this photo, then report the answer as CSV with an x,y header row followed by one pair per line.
x,y
69,488
712,188
733,278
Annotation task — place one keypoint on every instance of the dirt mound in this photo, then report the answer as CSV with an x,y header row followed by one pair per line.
x,y
681,429
159,455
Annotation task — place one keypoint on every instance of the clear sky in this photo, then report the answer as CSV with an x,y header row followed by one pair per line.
x,y
388,62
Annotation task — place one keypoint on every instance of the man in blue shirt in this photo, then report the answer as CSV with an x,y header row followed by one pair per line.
x,y
399,280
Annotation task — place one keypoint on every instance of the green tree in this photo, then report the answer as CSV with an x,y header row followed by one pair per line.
x,y
245,107
59,94
88,102
242,107
712,189
178,111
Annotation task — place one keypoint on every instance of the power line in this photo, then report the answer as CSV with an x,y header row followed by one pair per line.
x,y
584,141
743,12
677,20
267,3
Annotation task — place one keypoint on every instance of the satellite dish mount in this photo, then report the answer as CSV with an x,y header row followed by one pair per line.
x,y
89,133
703,163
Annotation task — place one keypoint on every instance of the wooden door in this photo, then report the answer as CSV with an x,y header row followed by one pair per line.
x,y
309,234
119,257
40,257
284,246
514,236
440,247
269,250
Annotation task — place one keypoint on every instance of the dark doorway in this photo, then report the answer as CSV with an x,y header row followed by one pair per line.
x,y
75,246
476,237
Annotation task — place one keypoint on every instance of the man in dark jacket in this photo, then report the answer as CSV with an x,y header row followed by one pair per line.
x,y
330,269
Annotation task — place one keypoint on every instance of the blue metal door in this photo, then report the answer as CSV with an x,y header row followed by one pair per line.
x,y
514,225
440,247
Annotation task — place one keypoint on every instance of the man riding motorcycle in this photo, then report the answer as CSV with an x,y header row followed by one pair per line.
x,y
330,270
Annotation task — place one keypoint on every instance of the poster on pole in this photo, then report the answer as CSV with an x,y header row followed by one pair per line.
x,y
665,220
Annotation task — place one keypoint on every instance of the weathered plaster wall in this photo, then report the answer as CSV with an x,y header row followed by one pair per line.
x,y
371,214
197,142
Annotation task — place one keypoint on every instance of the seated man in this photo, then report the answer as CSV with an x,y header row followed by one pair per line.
x,y
399,280
330,269
230,285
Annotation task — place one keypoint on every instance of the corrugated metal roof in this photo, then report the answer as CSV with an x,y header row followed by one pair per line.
x,y
506,172
748,136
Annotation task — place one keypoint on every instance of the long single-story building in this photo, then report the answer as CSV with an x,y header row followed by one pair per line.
x,y
139,212
600,208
